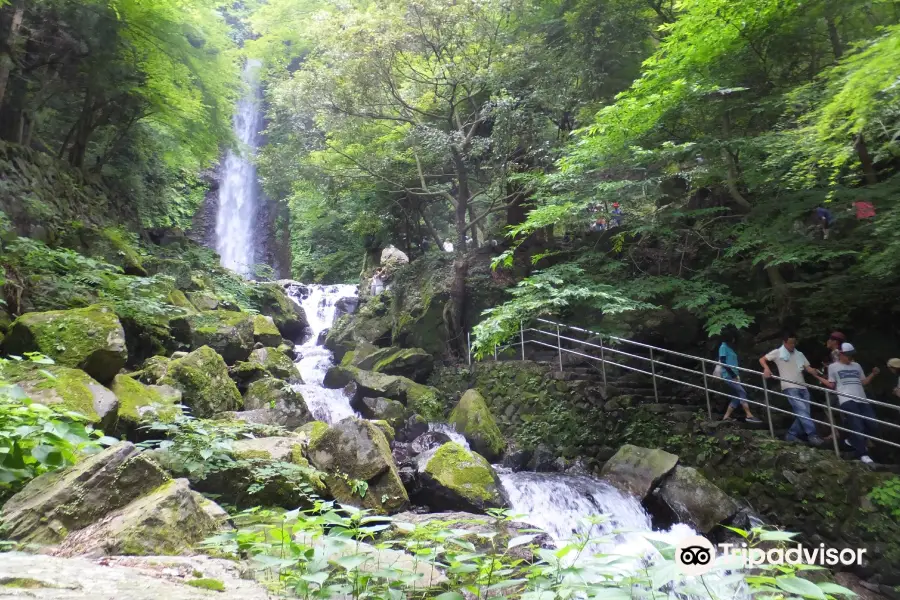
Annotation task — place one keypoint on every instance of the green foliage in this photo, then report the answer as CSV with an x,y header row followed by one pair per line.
x,y
887,496
331,551
36,439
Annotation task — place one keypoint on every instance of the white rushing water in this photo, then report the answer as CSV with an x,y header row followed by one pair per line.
x,y
313,361
239,190
451,432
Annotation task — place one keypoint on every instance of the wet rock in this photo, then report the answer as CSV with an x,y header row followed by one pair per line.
x,y
270,299
281,415
386,429
124,578
270,392
90,339
694,500
517,460
382,409
51,506
473,419
229,333
414,427
414,363
637,470
428,441
452,478
70,389
420,398
359,450
345,306
323,335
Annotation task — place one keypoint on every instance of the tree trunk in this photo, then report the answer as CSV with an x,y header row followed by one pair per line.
x,y
731,163
83,130
6,56
834,38
865,160
460,264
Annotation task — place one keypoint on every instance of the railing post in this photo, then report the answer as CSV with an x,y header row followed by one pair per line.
x,y
603,365
768,409
653,371
559,347
522,338
837,451
706,389
469,347
495,352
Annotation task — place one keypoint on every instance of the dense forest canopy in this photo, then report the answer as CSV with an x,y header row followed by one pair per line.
x,y
718,127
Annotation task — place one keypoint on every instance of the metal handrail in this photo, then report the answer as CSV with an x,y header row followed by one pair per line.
x,y
653,373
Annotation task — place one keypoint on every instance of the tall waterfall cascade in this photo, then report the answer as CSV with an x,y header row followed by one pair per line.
x,y
239,191
313,360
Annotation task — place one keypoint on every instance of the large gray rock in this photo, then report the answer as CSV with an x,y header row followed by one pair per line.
x,y
694,500
453,478
276,363
229,333
419,398
392,259
382,409
271,299
358,449
637,471
90,339
273,393
281,415
202,377
413,363
169,520
122,578
51,506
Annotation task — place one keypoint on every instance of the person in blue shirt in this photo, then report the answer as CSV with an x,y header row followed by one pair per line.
x,y
616,220
728,360
825,219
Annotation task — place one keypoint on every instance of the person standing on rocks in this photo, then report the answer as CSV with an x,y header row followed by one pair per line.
x,y
729,361
848,378
377,281
791,363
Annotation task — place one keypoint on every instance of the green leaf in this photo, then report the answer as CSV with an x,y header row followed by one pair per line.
x,y
801,587
835,589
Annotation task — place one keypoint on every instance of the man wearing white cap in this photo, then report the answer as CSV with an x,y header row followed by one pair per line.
x,y
847,378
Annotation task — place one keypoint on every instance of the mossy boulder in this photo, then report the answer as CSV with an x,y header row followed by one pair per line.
x,y
69,389
178,270
90,339
203,300
271,300
386,429
114,245
177,298
268,392
473,419
153,369
371,324
383,409
276,363
637,471
55,504
419,398
265,332
355,449
453,478
414,363
230,333
170,520
202,377
312,431
139,402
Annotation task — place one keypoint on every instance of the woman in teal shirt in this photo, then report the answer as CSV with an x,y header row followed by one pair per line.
x,y
729,361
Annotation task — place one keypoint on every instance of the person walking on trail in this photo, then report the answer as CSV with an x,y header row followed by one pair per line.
x,y
834,351
791,363
728,361
824,219
894,366
377,281
848,378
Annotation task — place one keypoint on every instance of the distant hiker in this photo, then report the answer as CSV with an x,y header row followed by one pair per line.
x,y
791,363
864,210
377,281
599,225
729,361
894,366
825,219
848,378
616,220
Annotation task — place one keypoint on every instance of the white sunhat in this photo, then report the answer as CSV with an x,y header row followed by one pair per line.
x,y
847,348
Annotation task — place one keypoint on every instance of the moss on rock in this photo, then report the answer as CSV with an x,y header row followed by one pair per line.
x,y
139,402
276,363
386,429
230,333
473,419
70,389
422,399
271,300
202,377
265,332
455,479
312,431
269,392
90,339
177,298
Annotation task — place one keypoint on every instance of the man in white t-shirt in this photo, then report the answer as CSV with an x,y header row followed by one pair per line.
x,y
791,363
847,378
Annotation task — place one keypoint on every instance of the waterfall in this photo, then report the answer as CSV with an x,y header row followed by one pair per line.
x,y
239,190
313,361
451,432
